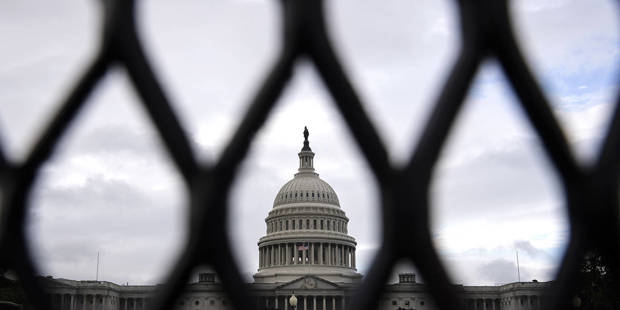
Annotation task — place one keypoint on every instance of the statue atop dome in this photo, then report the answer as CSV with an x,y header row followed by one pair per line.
x,y
306,147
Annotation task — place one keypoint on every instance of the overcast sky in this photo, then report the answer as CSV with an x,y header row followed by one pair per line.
x,y
110,187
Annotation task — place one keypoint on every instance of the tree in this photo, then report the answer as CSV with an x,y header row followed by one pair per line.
x,y
598,283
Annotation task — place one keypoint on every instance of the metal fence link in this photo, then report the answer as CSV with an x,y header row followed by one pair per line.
x,y
592,192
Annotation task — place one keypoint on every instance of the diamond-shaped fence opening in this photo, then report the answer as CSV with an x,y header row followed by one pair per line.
x,y
487,207
591,191
109,190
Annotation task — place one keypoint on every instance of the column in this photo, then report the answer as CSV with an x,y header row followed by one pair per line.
x,y
72,300
321,254
343,259
353,259
484,304
329,254
305,302
285,302
276,302
286,256
313,302
342,302
126,302
312,253
338,255
260,257
324,303
348,256
304,255
333,302
296,251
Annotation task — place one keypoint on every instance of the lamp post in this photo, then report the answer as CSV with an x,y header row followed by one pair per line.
x,y
293,301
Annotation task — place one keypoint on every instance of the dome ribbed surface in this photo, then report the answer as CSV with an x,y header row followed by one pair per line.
x,y
306,187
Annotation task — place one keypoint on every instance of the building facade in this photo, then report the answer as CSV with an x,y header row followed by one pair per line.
x,y
306,252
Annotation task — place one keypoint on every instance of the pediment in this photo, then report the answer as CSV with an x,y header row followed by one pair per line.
x,y
308,283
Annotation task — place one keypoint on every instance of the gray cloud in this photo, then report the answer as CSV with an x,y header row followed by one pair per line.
x,y
529,249
501,271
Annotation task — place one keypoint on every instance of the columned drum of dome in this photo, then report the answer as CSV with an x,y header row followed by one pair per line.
x,y
307,231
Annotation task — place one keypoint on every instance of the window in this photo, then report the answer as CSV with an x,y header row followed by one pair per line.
x,y
314,226
321,224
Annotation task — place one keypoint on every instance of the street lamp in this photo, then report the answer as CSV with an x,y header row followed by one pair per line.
x,y
293,301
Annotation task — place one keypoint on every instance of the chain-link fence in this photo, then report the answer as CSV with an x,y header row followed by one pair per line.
x,y
591,191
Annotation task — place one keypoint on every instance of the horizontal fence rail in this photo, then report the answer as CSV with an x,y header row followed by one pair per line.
x,y
591,191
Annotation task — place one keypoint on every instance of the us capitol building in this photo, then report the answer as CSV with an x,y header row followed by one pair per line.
x,y
306,251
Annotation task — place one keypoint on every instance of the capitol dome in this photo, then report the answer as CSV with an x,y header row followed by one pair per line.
x,y
307,231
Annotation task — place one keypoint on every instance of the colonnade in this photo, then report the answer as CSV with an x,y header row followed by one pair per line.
x,y
304,302
310,253
97,302
524,302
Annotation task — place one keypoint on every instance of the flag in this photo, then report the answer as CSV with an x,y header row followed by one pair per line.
x,y
303,247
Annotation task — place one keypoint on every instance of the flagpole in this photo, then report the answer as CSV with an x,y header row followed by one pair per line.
x,y
97,276
518,271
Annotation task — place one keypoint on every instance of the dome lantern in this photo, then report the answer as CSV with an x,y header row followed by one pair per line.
x,y
306,156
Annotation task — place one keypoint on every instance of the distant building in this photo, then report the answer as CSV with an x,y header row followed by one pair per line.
x,y
306,251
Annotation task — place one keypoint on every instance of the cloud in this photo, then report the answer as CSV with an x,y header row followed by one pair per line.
x,y
529,249
68,225
500,271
